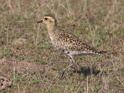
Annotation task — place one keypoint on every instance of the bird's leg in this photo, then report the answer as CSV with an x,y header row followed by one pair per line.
x,y
71,57
73,63
62,72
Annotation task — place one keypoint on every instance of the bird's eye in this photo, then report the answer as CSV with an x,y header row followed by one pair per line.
x,y
46,18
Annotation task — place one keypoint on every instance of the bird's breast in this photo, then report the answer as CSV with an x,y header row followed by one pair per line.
x,y
57,43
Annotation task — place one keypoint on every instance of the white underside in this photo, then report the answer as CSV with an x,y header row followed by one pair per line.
x,y
78,52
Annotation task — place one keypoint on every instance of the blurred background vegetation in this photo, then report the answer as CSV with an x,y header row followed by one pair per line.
x,y
25,45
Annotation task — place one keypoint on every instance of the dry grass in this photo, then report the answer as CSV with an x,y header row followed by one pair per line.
x,y
29,60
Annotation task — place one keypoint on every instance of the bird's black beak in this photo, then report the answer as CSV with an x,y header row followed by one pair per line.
x,y
41,21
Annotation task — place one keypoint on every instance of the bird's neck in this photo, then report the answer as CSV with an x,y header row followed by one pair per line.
x,y
51,29
52,32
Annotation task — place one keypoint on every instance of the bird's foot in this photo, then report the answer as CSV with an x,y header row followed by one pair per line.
x,y
61,74
75,67
65,71
69,70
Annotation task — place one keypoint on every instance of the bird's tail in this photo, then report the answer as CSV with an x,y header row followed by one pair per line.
x,y
101,52
106,53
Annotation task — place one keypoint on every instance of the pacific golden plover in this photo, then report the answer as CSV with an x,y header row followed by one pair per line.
x,y
66,42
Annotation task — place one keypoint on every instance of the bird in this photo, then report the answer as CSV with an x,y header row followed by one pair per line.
x,y
66,42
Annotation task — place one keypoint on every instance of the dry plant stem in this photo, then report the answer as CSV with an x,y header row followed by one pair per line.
x,y
9,3
87,88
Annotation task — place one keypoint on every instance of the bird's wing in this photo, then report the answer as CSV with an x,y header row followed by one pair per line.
x,y
73,43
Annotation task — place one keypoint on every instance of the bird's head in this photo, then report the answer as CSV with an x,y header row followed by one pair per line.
x,y
48,20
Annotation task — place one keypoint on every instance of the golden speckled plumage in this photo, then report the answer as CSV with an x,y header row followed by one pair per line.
x,y
70,44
